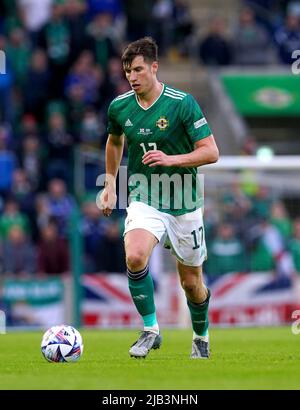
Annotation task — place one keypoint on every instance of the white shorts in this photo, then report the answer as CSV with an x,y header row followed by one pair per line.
x,y
183,234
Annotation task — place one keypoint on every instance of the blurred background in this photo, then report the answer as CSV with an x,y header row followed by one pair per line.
x,y
60,260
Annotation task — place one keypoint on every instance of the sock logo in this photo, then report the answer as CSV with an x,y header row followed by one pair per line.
x,y
140,297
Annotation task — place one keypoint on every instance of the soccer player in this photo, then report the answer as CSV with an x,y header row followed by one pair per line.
x,y
168,138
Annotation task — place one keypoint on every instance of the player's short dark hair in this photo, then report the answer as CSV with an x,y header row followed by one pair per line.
x,y
145,47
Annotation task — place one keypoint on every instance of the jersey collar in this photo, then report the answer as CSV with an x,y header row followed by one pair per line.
x,y
145,109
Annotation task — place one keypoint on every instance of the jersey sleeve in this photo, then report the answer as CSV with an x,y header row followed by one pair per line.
x,y
193,119
113,127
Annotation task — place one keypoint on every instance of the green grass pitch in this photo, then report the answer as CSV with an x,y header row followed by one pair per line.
x,y
262,358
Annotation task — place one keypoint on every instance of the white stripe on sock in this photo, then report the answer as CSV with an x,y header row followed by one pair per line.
x,y
153,329
204,338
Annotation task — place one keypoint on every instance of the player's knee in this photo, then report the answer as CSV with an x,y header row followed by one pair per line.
x,y
136,260
190,286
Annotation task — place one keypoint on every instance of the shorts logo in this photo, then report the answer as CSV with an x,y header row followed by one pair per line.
x,y
200,123
162,123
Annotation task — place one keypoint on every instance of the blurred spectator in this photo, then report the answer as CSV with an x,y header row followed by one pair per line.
x,y
112,7
36,98
2,14
139,18
215,49
293,7
294,245
227,253
269,12
60,205
86,75
111,253
162,25
31,160
12,19
270,252
55,38
18,254
42,208
76,108
93,229
7,163
28,126
287,38
1,260
115,83
236,204
18,54
281,220
11,217
115,77
34,15
22,191
212,218
183,26
52,252
261,258
59,143
75,13
261,202
251,42
92,129
6,85
102,39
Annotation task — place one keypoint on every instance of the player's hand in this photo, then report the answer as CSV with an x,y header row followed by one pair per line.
x,y
107,200
156,157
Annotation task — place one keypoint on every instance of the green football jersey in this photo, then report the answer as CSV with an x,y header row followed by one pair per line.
x,y
172,124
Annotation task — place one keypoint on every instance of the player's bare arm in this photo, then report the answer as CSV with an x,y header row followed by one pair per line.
x,y
205,152
113,157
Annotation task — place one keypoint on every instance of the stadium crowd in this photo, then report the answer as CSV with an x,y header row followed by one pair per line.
x,y
62,71
265,32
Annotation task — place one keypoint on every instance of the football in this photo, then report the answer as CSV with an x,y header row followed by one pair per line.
x,y
62,344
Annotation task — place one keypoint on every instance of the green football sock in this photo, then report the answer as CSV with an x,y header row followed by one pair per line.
x,y
142,292
199,316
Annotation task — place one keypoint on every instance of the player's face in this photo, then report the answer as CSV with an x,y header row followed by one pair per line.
x,y
141,75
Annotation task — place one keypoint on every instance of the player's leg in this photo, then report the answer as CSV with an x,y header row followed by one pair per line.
x,y
139,244
187,238
197,295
